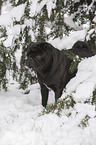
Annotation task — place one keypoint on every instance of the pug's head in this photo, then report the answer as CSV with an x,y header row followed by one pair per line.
x,y
39,55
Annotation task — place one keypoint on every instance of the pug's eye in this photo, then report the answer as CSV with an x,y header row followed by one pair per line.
x,y
38,57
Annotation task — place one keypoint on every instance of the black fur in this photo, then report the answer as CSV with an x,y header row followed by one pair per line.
x,y
52,66
82,49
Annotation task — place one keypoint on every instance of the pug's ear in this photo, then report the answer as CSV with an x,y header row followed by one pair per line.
x,y
45,46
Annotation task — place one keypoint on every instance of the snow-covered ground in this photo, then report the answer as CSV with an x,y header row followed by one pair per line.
x,y
20,119
21,122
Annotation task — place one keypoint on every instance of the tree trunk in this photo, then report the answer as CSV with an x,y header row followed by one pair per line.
x,y
0,6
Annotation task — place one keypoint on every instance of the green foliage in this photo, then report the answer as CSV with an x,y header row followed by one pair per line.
x,y
60,105
3,32
92,99
17,2
39,25
59,27
83,12
84,122
3,80
6,56
74,58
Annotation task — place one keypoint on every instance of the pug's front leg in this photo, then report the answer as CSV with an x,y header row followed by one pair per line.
x,y
44,93
58,94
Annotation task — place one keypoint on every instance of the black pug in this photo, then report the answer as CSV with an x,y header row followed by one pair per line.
x,y
52,66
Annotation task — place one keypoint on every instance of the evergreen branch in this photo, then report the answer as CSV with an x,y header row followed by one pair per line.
x,y
84,122
60,105
75,60
69,54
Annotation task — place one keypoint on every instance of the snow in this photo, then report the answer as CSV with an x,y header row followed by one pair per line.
x,y
6,19
21,119
36,7
84,83
68,41
69,21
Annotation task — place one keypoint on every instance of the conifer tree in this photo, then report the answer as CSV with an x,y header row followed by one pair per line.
x,y
83,12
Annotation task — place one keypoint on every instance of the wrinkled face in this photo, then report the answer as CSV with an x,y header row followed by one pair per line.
x,y
37,57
